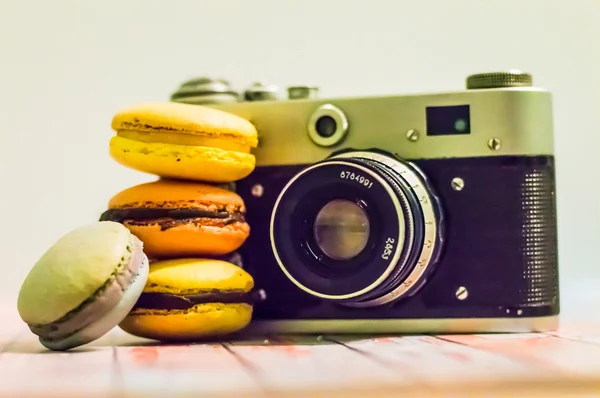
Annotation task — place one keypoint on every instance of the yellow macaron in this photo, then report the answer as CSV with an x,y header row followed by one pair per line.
x,y
184,141
190,299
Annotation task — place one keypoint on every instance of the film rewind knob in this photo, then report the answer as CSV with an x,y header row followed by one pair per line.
x,y
513,78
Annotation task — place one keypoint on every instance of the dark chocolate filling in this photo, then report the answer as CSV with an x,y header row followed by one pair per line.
x,y
166,301
144,213
169,218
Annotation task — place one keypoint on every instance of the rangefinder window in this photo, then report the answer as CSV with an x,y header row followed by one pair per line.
x,y
448,120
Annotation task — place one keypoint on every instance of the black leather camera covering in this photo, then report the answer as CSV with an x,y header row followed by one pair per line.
x,y
500,244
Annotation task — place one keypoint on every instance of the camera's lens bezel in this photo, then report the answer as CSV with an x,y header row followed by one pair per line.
x,y
293,217
416,206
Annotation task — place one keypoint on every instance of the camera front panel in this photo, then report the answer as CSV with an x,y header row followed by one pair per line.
x,y
498,259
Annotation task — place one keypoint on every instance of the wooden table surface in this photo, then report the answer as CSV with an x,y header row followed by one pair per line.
x,y
561,364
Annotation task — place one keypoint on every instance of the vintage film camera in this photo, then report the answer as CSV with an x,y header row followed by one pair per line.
x,y
425,213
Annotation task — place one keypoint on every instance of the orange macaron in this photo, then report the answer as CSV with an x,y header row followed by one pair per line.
x,y
177,218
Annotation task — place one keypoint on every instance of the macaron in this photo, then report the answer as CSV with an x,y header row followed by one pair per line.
x,y
83,285
177,218
184,141
191,299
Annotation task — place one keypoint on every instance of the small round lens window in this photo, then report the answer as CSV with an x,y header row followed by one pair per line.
x,y
341,229
326,126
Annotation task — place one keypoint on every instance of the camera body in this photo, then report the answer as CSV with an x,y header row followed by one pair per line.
x,y
423,213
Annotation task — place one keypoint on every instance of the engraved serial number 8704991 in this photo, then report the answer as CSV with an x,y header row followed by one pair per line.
x,y
349,175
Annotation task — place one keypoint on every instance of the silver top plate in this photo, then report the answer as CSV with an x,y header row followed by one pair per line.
x,y
503,121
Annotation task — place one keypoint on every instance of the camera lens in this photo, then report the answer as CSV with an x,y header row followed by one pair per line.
x,y
326,126
341,229
361,228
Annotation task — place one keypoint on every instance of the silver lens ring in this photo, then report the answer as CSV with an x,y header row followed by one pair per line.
x,y
393,257
431,233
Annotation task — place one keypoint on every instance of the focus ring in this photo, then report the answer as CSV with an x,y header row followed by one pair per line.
x,y
411,239
431,222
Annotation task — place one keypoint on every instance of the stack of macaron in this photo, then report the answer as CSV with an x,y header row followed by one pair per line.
x,y
186,222
185,219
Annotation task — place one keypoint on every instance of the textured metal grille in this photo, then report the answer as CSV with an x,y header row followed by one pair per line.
x,y
539,238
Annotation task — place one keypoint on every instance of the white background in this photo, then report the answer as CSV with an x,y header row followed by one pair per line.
x,y
67,66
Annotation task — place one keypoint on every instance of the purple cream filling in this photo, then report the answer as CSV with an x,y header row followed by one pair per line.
x,y
103,302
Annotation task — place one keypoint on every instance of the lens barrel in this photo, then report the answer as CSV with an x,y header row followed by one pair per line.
x,y
404,229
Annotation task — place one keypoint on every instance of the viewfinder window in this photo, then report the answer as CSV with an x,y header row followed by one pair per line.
x,y
448,120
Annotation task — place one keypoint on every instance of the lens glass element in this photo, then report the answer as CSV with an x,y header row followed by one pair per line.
x,y
341,229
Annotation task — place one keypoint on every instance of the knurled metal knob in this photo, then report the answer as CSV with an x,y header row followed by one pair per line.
x,y
261,91
204,91
513,78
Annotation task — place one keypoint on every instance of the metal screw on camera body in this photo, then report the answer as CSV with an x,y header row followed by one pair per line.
x,y
412,135
257,190
494,144
458,183
462,293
